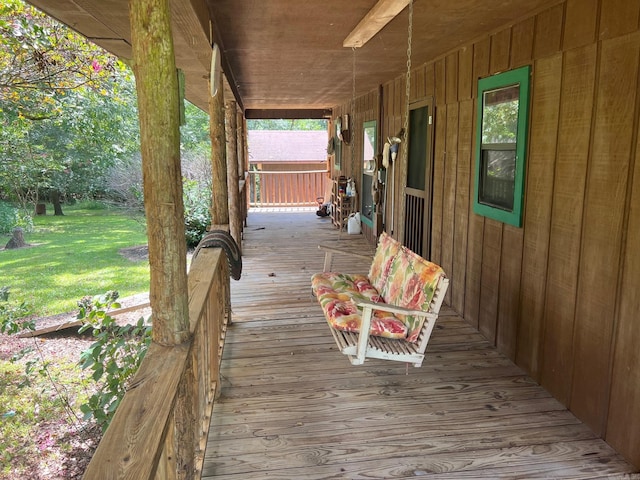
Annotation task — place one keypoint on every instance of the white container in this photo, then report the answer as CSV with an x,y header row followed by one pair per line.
x,y
353,224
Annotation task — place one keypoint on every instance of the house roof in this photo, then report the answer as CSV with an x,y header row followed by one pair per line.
x,y
287,145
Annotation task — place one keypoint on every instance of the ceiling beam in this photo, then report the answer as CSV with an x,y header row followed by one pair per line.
x,y
289,114
375,20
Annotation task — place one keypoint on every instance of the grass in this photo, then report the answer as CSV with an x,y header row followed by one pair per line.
x,y
42,434
73,256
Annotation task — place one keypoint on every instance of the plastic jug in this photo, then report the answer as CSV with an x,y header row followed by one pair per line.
x,y
353,224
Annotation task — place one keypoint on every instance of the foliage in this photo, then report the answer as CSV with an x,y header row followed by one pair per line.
x,y
287,124
12,317
67,108
37,396
113,358
11,217
41,58
75,255
197,216
500,122
35,421
194,134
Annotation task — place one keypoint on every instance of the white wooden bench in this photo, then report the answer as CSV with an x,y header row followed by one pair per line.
x,y
388,314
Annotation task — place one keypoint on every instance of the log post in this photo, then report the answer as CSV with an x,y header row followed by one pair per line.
x,y
157,87
219,193
241,136
240,129
235,221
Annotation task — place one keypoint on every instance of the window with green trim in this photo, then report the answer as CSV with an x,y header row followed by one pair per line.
x,y
503,115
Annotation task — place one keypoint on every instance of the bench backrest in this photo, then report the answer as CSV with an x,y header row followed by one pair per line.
x,y
386,251
405,279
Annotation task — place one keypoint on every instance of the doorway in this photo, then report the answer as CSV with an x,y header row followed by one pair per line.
x,y
418,184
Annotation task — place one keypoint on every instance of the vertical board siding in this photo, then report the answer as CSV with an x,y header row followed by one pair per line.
x,y
618,17
548,37
509,292
559,295
545,103
449,194
476,222
574,133
438,183
500,51
465,126
581,19
465,73
490,279
624,402
602,228
522,43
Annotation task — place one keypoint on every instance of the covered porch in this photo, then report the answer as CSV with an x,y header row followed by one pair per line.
x,y
291,406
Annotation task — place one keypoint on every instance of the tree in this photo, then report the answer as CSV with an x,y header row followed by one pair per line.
x,y
40,59
67,109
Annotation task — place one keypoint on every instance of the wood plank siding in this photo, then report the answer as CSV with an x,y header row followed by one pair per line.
x,y
557,296
293,407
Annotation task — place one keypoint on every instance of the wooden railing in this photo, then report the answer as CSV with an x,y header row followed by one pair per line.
x,y
160,429
277,189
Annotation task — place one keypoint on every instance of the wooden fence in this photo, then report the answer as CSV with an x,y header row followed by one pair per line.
x,y
282,188
159,430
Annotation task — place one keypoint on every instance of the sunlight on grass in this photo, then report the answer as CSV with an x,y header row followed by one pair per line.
x,y
73,256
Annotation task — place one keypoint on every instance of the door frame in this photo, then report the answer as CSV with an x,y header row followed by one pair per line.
x,y
428,102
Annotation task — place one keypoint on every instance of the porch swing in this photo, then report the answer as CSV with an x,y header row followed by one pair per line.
x,y
390,313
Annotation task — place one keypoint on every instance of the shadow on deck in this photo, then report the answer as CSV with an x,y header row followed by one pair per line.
x,y
293,407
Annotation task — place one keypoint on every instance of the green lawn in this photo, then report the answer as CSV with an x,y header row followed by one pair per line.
x,y
73,256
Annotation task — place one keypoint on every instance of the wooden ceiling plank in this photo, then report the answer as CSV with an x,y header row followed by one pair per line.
x,y
382,13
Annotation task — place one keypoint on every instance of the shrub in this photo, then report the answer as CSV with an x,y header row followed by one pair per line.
x,y
12,217
113,358
8,217
196,211
125,184
12,315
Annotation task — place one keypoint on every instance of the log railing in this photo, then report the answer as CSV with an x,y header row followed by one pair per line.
x,y
279,189
159,430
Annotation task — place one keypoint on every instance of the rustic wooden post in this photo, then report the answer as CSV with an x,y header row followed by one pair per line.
x,y
157,87
240,129
159,113
241,135
219,194
235,221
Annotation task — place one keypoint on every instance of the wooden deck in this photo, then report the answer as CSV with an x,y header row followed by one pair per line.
x,y
292,407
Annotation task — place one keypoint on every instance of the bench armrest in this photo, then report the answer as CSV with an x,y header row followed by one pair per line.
x,y
385,307
367,314
329,251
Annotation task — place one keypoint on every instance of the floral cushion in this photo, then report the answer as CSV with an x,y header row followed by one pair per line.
x,y
411,284
387,249
338,294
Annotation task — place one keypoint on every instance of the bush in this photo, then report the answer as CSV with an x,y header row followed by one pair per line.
x,y
12,315
196,211
125,186
113,358
11,217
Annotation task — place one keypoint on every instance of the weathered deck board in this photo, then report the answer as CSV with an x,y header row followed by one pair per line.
x,y
292,407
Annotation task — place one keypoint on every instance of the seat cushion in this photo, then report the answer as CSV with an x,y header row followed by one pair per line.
x,y
411,283
386,251
338,294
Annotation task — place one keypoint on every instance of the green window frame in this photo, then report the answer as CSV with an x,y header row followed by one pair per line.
x,y
501,145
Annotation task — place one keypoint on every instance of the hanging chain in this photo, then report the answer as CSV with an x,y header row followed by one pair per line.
x,y
408,81
353,78
353,107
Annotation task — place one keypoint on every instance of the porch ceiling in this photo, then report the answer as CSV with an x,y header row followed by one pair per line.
x,y
288,54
